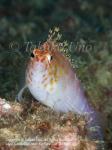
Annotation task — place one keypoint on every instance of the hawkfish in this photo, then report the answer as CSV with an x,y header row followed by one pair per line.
x,y
52,80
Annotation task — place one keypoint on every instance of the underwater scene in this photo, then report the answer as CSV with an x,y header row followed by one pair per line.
x,y
55,75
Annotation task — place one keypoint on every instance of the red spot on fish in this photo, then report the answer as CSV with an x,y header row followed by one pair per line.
x,y
42,59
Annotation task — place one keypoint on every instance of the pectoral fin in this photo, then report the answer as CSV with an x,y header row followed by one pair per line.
x,y
19,95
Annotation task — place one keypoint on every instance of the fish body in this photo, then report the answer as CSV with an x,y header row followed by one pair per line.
x,y
52,81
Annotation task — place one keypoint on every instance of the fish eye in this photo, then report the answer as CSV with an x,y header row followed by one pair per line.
x,y
51,57
32,55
